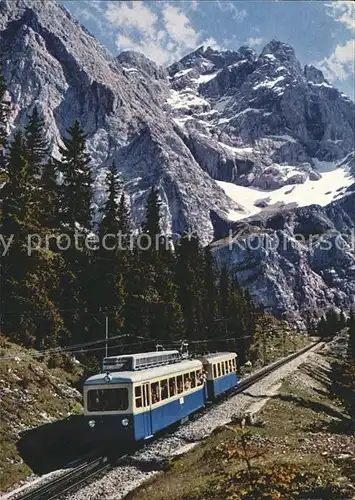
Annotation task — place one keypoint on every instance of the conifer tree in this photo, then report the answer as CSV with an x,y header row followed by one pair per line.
x,y
124,218
110,222
210,296
36,143
75,196
76,187
29,313
152,225
108,262
189,277
49,206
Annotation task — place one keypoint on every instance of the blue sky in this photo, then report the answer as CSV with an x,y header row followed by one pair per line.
x,y
322,33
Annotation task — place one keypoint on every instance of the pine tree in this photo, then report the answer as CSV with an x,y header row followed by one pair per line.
x,y
210,296
124,218
76,187
189,278
110,223
108,282
29,313
36,144
49,206
152,225
16,193
75,214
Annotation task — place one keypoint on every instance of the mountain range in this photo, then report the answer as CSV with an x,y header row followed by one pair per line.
x,y
239,143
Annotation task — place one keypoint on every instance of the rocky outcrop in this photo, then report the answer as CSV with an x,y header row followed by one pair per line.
x,y
51,61
296,261
258,122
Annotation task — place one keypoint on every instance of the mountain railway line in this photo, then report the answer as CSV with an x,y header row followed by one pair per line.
x,y
92,467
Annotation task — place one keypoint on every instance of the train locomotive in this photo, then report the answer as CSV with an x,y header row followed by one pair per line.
x,y
138,395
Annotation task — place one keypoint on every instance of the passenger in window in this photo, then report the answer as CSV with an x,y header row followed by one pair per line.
x,y
155,396
201,377
187,383
180,384
164,389
193,379
172,387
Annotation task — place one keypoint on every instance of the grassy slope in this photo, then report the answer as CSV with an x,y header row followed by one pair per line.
x,y
31,394
296,454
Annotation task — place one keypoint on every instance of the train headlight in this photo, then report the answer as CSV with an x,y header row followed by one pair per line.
x,y
92,423
125,422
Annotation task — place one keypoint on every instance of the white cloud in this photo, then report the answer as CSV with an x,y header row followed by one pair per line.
x,y
340,64
255,41
211,42
178,26
194,4
343,12
136,15
161,31
237,14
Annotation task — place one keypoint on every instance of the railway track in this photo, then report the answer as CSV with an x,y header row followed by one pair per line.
x,y
89,469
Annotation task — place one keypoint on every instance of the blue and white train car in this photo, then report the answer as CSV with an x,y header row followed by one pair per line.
x,y
134,405
221,373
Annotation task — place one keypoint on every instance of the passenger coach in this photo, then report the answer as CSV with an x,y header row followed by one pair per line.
x,y
134,405
221,373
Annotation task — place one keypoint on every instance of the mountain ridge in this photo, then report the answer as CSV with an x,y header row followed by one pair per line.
x,y
224,135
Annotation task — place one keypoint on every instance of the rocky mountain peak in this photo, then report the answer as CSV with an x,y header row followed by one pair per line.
x,y
132,60
282,51
314,75
225,135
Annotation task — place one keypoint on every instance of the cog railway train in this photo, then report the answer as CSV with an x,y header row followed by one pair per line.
x,y
138,395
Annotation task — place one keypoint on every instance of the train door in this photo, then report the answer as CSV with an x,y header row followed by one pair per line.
x,y
148,413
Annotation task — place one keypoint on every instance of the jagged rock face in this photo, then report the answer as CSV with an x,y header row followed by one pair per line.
x,y
286,114
296,261
212,123
51,61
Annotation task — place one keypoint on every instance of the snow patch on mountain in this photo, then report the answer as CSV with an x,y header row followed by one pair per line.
x,y
334,180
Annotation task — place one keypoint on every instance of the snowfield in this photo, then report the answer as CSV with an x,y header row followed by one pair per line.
x,y
331,186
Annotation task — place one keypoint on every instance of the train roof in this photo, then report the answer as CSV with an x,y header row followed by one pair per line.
x,y
140,355
218,356
144,375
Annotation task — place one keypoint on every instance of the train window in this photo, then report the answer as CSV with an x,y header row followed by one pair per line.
x,y
154,389
230,366
226,367
219,369
180,386
233,362
223,368
138,396
107,399
172,386
193,379
164,391
199,377
214,371
187,382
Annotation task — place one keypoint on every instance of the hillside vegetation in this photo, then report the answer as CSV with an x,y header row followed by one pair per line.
x,y
33,392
